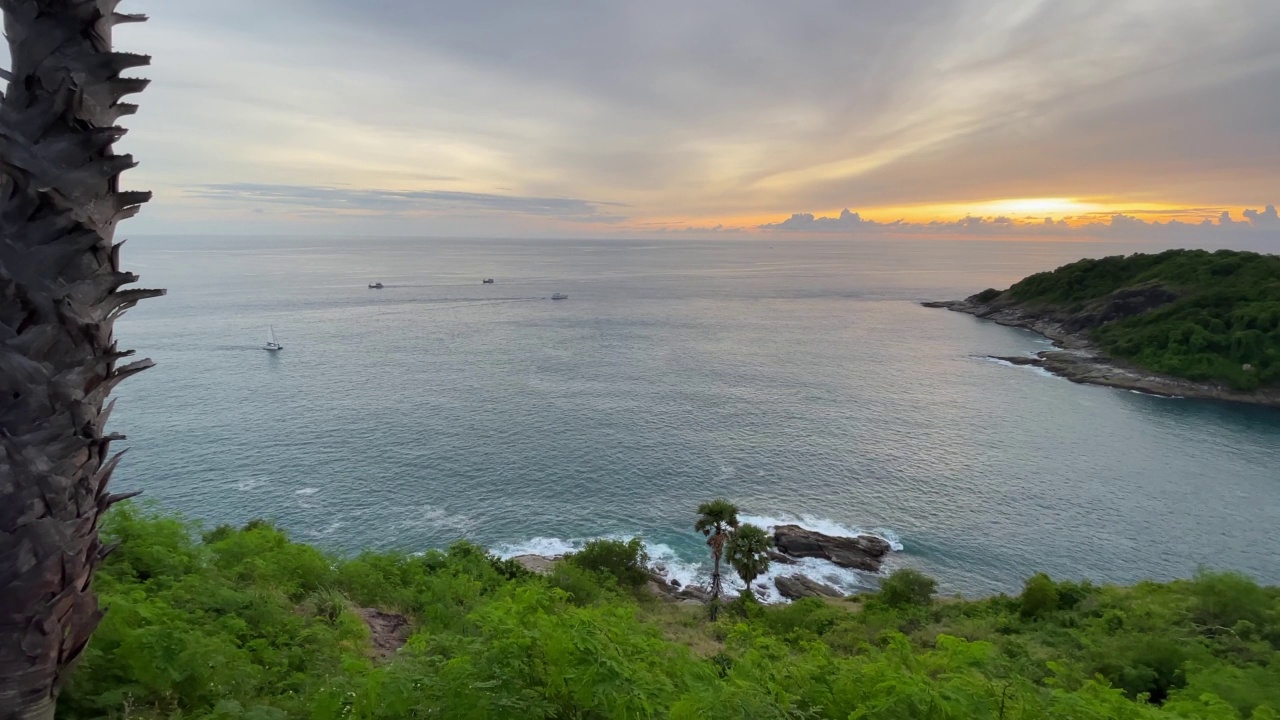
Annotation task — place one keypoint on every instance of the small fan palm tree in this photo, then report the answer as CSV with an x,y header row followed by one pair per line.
x,y
747,552
60,294
717,519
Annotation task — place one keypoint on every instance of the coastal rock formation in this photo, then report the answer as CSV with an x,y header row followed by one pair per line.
x,y
694,593
540,564
1078,359
799,586
863,552
777,557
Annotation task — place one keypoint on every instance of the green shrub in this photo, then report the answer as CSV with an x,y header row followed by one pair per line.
x,y
624,561
1039,596
1151,666
807,616
1223,599
1072,594
582,586
326,603
906,587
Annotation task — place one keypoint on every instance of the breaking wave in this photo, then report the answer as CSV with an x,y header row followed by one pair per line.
x,y
691,567
1033,368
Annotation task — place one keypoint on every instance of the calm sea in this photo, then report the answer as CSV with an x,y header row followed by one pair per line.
x,y
799,379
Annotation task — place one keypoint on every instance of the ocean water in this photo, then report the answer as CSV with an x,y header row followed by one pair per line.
x,y
799,378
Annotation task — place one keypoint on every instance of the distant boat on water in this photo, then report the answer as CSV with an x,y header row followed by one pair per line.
x,y
487,281
559,296
272,345
375,286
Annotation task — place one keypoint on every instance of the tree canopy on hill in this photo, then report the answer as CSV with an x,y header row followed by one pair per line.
x,y
1224,324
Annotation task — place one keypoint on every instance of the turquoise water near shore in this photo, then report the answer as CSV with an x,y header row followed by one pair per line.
x,y
798,378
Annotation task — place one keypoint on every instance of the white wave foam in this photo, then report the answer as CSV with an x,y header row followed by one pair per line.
x,y
247,484
1156,395
545,546
664,559
1038,370
843,579
306,491
822,525
895,542
669,563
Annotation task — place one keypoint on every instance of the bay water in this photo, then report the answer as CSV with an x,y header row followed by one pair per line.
x,y
799,378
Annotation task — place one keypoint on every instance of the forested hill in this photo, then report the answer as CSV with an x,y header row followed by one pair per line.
x,y
1193,314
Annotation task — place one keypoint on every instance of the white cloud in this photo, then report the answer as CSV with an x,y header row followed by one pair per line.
x,y
1262,224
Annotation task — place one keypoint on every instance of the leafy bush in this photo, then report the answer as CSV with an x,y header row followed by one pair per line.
x,y
1224,599
1149,666
626,562
1039,596
906,587
326,603
582,586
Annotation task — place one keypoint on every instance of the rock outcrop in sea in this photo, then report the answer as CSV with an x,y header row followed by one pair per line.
x,y
863,552
792,543
794,587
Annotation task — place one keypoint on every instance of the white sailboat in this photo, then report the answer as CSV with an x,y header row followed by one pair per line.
x,y
272,345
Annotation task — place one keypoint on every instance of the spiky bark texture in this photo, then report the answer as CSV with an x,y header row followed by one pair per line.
x,y
60,293
716,543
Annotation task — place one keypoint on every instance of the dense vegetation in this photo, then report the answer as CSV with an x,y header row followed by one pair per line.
x,y
243,623
1223,326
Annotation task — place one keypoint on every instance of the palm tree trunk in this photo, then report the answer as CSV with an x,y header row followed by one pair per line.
x,y
717,550
715,590
60,293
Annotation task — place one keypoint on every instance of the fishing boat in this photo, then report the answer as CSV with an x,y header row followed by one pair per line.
x,y
375,286
559,296
487,281
272,345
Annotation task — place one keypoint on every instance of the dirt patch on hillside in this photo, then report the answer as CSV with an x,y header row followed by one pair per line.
x,y
388,632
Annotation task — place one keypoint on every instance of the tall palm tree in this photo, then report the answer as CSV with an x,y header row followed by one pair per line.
x,y
60,293
716,519
747,552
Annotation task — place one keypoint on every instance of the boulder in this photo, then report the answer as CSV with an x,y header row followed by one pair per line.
x,y
693,592
863,552
539,564
659,590
658,577
775,556
1019,359
799,586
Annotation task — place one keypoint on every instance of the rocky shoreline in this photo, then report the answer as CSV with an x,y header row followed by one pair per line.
x,y
1077,359
863,552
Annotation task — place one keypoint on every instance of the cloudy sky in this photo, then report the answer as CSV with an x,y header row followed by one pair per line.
x,y
510,117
